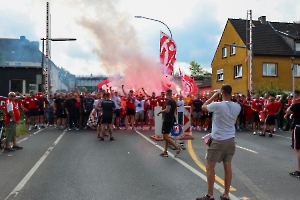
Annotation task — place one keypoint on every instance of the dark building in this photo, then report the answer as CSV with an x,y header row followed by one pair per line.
x,y
20,63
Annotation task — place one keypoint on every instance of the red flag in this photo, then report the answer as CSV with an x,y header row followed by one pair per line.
x,y
189,85
167,52
105,82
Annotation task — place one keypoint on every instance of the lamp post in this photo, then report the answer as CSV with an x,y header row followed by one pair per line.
x,y
293,74
156,21
43,48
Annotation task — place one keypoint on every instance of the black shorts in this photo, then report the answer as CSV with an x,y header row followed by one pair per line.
x,y
26,114
99,120
130,111
296,138
270,120
106,120
33,112
41,113
166,127
117,112
256,117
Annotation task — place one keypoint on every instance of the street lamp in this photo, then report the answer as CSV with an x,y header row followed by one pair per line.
x,y
293,74
43,48
156,21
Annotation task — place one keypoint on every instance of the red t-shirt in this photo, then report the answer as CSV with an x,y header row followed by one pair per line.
x,y
26,103
162,101
153,102
130,102
297,100
279,105
32,103
257,105
247,109
272,108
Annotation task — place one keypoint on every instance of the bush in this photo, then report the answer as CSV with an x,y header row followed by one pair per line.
x,y
264,88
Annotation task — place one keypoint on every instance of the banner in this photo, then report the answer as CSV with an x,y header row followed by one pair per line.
x,y
189,85
167,53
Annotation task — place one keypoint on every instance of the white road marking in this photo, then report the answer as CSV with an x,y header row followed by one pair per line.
x,y
282,136
20,186
202,176
30,136
246,149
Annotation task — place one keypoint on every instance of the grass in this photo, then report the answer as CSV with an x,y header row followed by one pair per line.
x,y
21,129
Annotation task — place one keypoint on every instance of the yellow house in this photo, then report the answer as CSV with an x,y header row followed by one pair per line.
x,y
276,50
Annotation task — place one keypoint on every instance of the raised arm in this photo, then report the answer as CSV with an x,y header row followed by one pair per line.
x,y
124,91
145,93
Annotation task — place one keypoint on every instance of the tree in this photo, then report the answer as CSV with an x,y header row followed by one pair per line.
x,y
196,69
82,89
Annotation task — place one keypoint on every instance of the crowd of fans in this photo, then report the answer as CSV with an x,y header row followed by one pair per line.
x,y
73,110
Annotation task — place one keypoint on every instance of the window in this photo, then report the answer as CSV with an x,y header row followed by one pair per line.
x,y
296,69
297,46
220,75
224,52
232,50
18,64
30,86
238,71
16,85
269,69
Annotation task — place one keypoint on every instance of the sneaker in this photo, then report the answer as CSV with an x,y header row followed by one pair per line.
x,y
114,127
205,129
77,129
178,152
85,127
192,128
274,129
295,174
270,135
17,147
38,127
125,128
164,154
111,139
198,128
254,133
134,129
70,129
30,127
142,129
239,129
263,135
101,139
224,197
206,197
35,127
150,128
9,149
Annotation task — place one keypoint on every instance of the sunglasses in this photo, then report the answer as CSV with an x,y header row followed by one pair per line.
x,y
12,96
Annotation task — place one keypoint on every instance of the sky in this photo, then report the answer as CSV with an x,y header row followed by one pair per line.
x,y
111,41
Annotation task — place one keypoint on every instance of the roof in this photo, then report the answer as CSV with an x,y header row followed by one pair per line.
x,y
20,50
267,38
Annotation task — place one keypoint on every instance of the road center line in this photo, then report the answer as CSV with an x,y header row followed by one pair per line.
x,y
202,176
20,186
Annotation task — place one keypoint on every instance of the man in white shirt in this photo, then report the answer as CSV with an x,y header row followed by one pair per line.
x,y
222,145
180,108
117,113
139,112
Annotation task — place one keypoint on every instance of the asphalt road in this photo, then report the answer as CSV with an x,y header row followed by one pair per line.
x,y
61,164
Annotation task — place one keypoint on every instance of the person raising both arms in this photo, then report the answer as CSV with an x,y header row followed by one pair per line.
x,y
130,108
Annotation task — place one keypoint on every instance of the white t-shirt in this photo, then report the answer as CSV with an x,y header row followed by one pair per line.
x,y
9,108
224,118
139,105
117,101
180,104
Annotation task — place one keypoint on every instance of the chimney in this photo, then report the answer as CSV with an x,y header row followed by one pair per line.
x,y
263,19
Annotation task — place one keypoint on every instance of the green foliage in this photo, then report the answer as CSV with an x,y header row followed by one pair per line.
x,y
264,88
196,69
82,89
